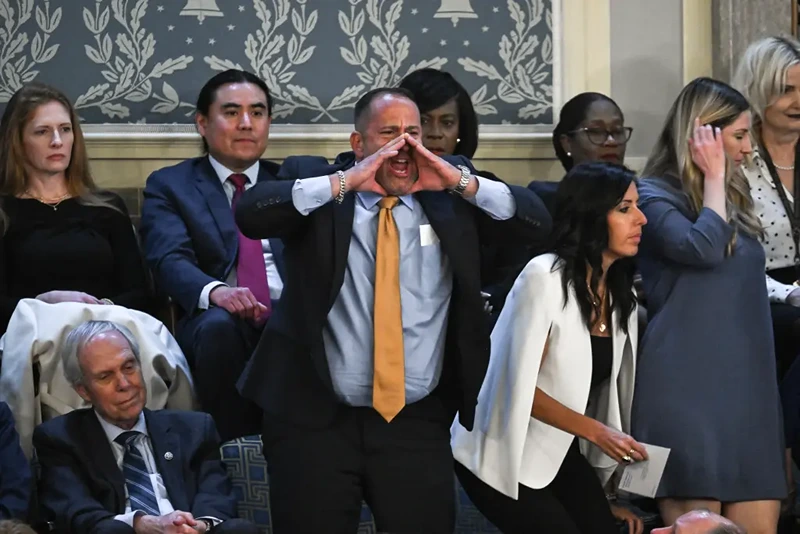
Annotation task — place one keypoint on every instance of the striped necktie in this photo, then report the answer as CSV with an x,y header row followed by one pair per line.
x,y
137,477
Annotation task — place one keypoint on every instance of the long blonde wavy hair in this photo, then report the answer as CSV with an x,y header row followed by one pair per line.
x,y
13,175
717,104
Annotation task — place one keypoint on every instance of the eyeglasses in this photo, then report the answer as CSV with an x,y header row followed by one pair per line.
x,y
599,136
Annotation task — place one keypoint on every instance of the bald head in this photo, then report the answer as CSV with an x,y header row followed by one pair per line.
x,y
701,522
364,107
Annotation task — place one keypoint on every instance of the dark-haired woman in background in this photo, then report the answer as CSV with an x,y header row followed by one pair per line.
x,y
449,121
706,385
562,367
62,239
591,127
450,127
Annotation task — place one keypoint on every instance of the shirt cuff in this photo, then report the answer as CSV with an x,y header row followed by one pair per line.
x,y
129,517
494,198
203,302
780,292
311,193
215,521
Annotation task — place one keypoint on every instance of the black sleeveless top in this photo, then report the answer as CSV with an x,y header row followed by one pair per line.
x,y
602,357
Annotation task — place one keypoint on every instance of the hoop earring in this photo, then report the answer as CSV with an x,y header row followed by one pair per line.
x,y
569,154
458,140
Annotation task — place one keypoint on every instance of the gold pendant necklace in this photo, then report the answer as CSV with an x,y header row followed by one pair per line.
x,y
54,203
598,310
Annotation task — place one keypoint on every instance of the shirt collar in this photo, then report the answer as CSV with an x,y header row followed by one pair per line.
x,y
112,431
369,199
223,173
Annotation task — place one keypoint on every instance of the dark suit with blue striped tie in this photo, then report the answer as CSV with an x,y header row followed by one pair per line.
x,y
82,488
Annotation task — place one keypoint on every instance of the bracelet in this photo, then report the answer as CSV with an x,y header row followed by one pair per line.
x,y
342,186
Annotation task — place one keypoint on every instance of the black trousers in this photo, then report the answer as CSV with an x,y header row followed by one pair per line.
x,y
217,346
573,503
319,477
785,324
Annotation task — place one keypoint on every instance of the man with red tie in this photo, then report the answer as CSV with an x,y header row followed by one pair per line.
x,y
225,283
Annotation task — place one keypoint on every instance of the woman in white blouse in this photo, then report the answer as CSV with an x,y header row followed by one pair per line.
x,y
562,368
769,76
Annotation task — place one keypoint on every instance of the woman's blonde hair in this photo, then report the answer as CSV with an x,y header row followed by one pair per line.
x,y
761,73
13,176
717,104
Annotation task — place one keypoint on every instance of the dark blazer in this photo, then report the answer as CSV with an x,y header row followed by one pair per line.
x,y
188,229
15,470
547,192
82,489
288,375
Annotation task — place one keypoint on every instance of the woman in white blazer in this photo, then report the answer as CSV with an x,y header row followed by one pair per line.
x,y
562,366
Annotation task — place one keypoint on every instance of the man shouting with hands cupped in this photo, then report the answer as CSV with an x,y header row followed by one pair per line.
x,y
380,336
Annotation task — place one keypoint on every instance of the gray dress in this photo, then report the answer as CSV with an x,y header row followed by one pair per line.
x,y
706,385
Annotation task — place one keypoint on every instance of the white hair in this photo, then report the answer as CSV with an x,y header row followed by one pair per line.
x,y
80,336
761,74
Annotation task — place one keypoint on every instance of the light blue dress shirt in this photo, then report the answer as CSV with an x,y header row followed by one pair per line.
x,y
426,284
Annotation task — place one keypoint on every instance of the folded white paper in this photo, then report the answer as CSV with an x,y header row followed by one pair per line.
x,y
427,236
643,478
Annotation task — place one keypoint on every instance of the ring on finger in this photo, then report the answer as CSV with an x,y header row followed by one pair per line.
x,y
627,459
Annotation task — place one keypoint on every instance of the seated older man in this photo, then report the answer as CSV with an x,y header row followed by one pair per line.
x,y
701,522
118,467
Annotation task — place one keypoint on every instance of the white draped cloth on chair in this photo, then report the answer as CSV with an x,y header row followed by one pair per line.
x,y
35,333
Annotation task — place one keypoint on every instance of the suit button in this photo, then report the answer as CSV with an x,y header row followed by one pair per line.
x,y
260,205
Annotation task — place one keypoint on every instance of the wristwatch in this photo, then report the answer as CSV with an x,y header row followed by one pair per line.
x,y
466,176
208,522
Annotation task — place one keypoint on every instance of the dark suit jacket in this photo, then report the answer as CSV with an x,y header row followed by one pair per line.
x,y
82,489
547,192
15,470
511,264
188,229
288,374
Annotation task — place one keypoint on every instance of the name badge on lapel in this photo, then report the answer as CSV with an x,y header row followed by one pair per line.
x,y
427,236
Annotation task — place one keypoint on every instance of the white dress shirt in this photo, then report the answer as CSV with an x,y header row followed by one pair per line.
x,y
145,448
273,277
778,243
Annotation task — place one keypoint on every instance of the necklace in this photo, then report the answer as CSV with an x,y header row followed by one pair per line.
x,y
51,203
782,168
598,309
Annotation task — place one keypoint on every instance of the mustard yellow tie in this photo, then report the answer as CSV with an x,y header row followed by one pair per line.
x,y
389,382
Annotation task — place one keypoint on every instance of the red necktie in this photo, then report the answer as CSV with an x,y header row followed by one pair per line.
x,y
251,271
